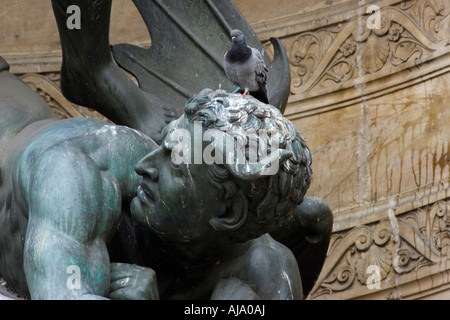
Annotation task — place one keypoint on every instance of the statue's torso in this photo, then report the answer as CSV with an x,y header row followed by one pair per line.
x,y
112,149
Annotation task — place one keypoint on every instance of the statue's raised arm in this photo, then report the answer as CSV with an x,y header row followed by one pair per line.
x,y
194,192
189,39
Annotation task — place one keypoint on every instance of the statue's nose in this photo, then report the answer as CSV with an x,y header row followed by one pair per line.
x,y
146,167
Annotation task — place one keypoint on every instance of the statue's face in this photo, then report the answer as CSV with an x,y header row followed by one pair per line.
x,y
175,200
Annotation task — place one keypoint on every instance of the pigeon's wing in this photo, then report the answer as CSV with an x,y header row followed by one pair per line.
x,y
230,70
189,40
260,68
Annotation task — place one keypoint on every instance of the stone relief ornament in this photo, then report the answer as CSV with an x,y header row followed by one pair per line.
x,y
331,57
399,248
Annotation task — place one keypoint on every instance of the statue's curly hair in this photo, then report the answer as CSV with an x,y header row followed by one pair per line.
x,y
271,197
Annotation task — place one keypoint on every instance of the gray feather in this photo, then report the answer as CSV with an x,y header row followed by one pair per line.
x,y
245,67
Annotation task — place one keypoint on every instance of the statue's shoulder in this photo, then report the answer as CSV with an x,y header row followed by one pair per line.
x,y
89,130
112,136
264,261
266,245
4,66
79,136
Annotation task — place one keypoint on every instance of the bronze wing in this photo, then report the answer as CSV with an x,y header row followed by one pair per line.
x,y
189,39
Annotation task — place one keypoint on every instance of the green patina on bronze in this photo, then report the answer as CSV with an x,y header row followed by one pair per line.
x,y
108,202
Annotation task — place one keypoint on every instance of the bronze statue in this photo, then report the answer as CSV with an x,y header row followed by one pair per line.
x,y
91,210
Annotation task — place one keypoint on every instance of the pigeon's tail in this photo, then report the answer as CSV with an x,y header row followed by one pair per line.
x,y
261,95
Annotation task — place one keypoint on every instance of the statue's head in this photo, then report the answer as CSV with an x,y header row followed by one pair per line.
x,y
230,164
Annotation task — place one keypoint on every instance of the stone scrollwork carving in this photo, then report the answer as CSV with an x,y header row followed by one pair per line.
x,y
331,57
380,258
400,249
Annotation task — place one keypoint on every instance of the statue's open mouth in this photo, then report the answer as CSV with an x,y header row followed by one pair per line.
x,y
145,195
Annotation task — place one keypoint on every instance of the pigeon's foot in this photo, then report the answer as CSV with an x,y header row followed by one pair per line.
x,y
236,89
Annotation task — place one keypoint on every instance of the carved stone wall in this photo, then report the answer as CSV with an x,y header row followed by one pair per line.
x,y
394,258
373,103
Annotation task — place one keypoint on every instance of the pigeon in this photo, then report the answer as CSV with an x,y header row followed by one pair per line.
x,y
245,67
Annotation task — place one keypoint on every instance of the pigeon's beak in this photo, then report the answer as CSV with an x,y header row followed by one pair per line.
x,y
233,37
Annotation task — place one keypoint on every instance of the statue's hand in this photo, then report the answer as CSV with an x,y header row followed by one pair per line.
x,y
132,282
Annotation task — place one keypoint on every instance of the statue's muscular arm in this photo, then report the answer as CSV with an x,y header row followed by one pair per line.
x,y
73,207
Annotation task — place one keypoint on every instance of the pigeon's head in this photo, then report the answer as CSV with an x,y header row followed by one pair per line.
x,y
236,35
